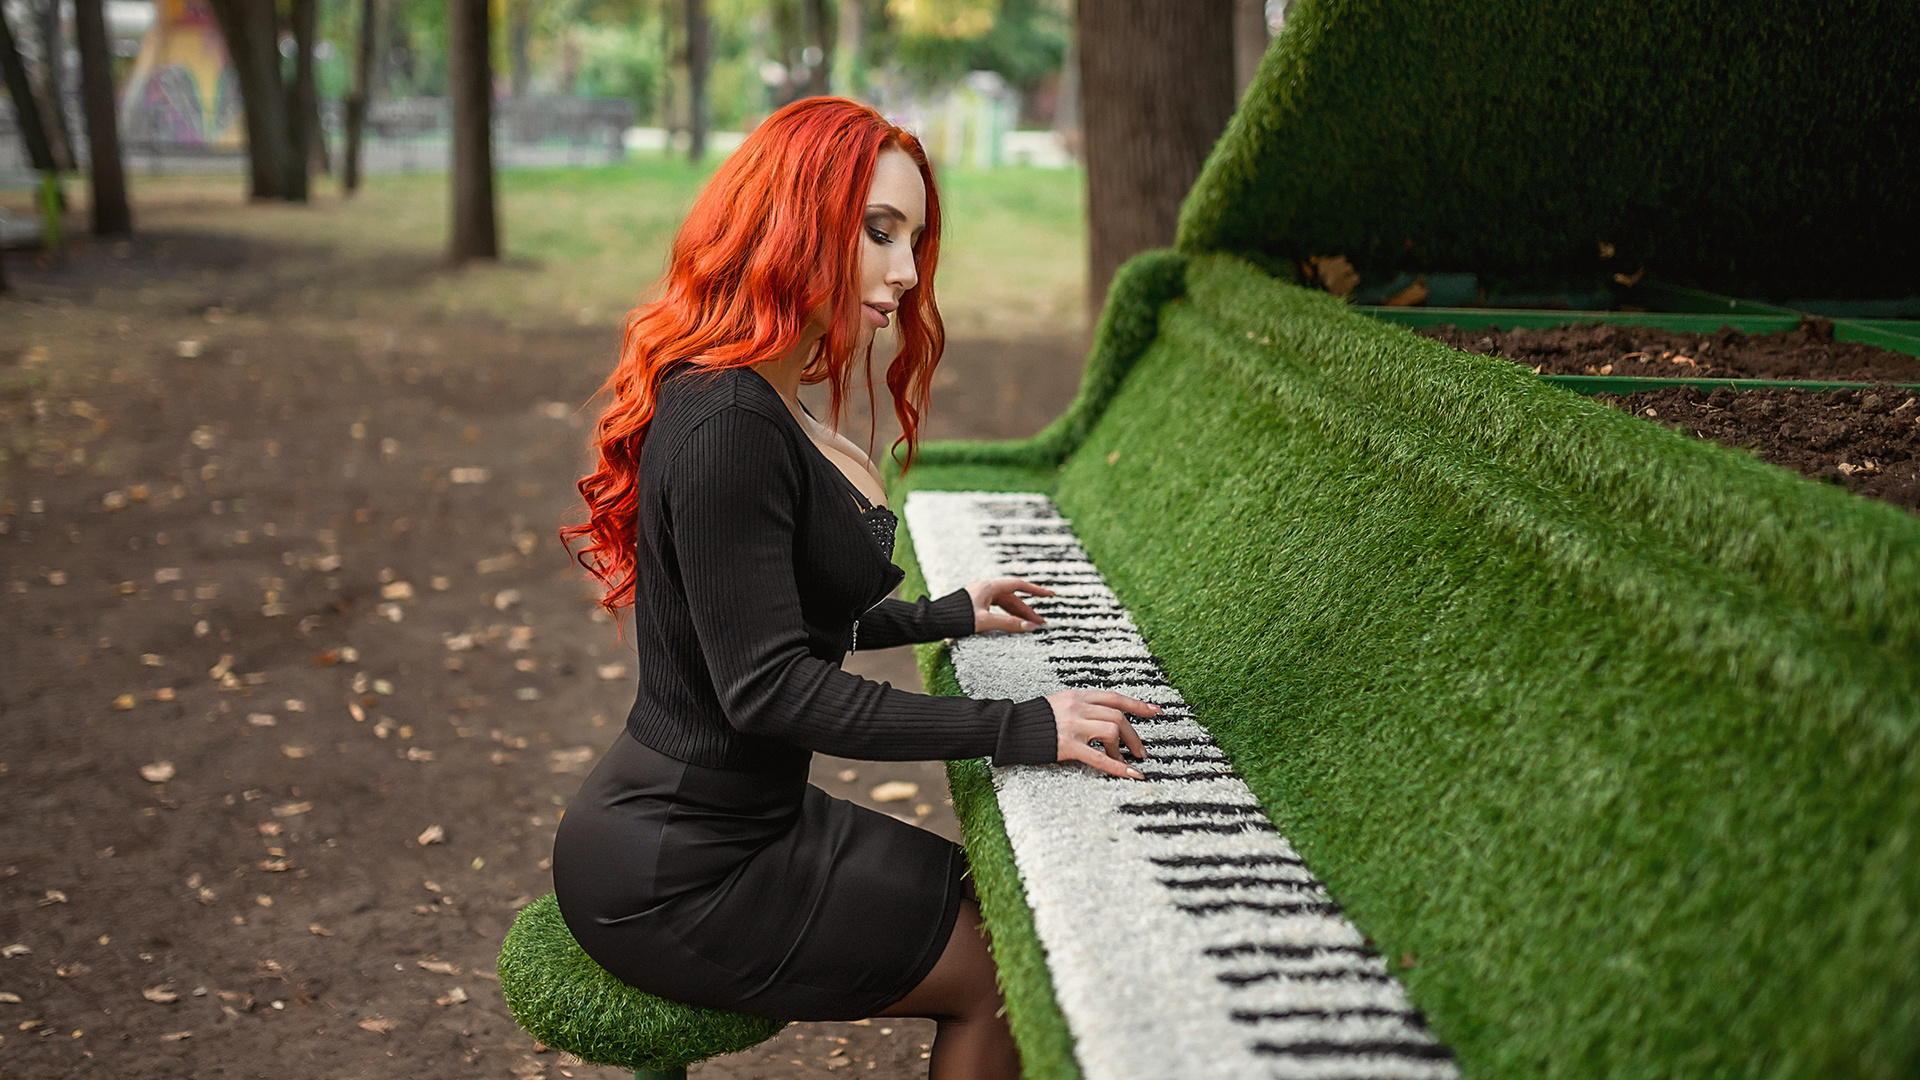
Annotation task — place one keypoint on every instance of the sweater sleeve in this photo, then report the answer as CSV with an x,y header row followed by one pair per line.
x,y
732,491
896,622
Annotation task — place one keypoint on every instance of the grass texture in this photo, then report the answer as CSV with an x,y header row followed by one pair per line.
x,y
1757,148
564,999
1608,733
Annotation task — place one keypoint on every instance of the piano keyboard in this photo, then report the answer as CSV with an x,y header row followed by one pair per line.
x,y
1184,935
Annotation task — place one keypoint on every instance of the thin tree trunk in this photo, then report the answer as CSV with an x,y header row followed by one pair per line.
x,y
519,35
25,106
357,98
699,28
1250,37
847,74
1156,88
111,215
821,38
251,31
470,77
53,98
300,102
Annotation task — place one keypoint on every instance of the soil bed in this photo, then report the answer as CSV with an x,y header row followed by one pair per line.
x,y
1808,352
1867,441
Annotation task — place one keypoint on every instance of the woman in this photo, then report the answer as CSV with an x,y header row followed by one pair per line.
x,y
754,545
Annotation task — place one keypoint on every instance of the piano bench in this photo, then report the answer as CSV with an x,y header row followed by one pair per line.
x,y
565,1000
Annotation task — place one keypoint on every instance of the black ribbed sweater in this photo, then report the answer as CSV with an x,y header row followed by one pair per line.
x,y
752,570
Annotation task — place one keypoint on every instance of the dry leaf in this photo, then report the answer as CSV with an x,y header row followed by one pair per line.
x,y
54,896
894,791
262,719
454,996
438,967
15,949
433,834
415,753
295,752
569,760
1630,280
124,702
470,475
275,866
292,809
318,931
505,599
9,998
1606,250
1335,274
176,1036
396,590
380,1024
266,828
1413,294
157,773
160,995
612,671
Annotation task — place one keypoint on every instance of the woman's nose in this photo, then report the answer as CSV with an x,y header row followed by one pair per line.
x,y
901,272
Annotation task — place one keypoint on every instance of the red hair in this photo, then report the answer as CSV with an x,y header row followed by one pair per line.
x,y
775,236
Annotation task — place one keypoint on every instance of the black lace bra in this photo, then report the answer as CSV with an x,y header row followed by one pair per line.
x,y
878,520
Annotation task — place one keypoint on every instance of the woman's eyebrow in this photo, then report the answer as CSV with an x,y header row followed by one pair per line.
x,y
893,212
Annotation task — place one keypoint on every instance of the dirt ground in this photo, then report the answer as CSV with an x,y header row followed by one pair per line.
x,y
1866,441
298,676
1640,352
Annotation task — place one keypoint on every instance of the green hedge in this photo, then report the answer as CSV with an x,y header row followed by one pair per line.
x,y
1614,731
1760,147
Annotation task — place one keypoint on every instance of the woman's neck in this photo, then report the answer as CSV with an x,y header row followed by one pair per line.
x,y
784,374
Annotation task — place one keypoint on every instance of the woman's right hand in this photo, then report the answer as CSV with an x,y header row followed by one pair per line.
x,y
1082,716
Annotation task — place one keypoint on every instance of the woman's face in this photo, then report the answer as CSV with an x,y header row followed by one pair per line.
x,y
896,212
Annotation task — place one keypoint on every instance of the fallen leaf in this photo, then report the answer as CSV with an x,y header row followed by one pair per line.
x,y
469,475
8,998
1606,250
415,753
433,834
1335,274
275,866
265,828
262,719
160,995
157,773
176,1036
1630,280
570,760
292,809
54,896
1413,294
438,967
190,350
151,659
166,575
454,996
73,970
124,702
396,590
295,752
894,791
15,949
318,931
380,1024
505,599
263,900
612,671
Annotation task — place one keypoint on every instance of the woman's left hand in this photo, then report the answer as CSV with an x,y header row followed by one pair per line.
x,y
1014,616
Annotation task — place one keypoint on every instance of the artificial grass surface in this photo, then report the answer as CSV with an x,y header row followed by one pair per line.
x,y
1755,148
1611,731
564,999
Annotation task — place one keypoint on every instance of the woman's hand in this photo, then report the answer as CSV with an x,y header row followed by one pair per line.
x,y
1014,616
1082,716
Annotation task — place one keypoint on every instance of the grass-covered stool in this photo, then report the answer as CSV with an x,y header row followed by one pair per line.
x,y
564,999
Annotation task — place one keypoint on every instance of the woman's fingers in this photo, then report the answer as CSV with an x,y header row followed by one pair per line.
x,y
1087,755
1018,608
1130,706
995,620
1024,586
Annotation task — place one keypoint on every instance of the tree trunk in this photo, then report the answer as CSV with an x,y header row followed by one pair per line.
x,y
25,106
470,79
1156,88
1250,37
111,216
53,98
252,34
301,105
357,98
698,58
519,35
848,71
820,38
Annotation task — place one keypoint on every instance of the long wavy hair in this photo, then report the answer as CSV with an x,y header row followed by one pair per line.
x,y
773,238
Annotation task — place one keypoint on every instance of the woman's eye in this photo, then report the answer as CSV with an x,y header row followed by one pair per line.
x,y
878,236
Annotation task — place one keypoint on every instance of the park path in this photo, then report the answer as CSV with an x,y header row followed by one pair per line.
x,y
299,677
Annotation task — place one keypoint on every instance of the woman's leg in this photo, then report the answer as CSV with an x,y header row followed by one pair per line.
x,y
974,1042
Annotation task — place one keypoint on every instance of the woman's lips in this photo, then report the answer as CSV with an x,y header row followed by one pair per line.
x,y
875,316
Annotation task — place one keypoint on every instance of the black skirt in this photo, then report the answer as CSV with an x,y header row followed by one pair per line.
x,y
751,891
